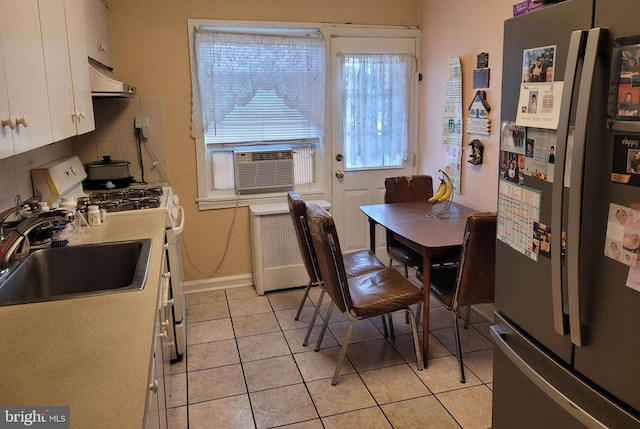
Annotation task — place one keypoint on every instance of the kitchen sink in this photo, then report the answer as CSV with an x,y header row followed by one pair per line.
x,y
75,271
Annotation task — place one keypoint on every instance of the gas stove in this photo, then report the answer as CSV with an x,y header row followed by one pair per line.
x,y
132,198
64,178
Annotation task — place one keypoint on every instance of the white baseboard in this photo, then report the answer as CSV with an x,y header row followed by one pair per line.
x,y
218,283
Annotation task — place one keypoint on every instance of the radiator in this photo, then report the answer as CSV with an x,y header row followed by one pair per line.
x,y
277,262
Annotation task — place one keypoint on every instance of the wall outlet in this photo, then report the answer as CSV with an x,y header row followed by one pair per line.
x,y
142,123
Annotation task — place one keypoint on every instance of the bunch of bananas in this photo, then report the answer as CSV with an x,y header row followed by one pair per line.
x,y
443,192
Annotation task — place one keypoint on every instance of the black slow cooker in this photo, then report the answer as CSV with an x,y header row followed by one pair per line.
x,y
107,174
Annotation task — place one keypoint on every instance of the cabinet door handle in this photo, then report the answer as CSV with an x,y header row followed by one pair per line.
x,y
22,121
11,122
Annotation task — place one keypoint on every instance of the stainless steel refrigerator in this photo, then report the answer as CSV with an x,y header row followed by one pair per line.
x,y
567,327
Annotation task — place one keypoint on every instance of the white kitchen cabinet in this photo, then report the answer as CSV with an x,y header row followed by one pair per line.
x,y
24,75
152,415
66,67
156,404
6,135
97,31
156,413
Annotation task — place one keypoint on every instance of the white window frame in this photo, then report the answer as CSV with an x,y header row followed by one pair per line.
x,y
321,187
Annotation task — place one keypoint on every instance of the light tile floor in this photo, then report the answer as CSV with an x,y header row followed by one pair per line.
x,y
245,367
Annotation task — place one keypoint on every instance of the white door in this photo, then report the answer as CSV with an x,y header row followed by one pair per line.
x,y
358,173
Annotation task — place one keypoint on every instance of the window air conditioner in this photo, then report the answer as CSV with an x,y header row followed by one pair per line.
x,y
263,169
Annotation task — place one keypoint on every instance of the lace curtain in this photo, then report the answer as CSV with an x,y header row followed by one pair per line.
x,y
231,67
376,97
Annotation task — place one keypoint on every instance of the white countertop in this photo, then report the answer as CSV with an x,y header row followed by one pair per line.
x,y
93,353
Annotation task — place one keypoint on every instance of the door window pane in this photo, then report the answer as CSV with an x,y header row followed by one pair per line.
x,y
376,94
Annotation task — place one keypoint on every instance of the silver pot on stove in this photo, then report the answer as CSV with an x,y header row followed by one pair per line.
x,y
107,174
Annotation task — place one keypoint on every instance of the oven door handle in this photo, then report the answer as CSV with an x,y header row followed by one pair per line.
x,y
178,229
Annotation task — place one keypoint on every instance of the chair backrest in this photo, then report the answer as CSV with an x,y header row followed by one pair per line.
x,y
476,274
329,256
298,212
404,189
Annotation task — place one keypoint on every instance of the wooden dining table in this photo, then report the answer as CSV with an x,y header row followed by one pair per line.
x,y
415,226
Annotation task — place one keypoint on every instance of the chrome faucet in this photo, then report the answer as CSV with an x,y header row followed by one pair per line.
x,y
10,245
33,208
3,217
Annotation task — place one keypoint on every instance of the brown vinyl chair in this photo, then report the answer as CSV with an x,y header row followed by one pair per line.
x,y
367,295
355,263
472,280
403,189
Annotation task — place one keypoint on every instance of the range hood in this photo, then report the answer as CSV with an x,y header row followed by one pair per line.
x,y
105,84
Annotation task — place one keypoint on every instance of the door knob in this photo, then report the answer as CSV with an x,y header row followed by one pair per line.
x,y
339,174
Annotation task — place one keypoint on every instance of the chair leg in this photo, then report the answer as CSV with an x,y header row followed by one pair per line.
x,y
313,318
466,319
304,298
416,341
418,311
458,346
385,331
324,326
343,352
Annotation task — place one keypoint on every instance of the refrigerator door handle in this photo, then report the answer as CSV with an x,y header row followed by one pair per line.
x,y
594,41
501,335
578,399
573,55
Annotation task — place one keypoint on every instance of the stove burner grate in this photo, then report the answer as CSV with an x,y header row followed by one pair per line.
x,y
127,199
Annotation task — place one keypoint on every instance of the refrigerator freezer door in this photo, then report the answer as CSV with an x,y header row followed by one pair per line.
x,y
528,376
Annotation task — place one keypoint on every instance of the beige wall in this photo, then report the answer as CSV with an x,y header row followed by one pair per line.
x,y
151,50
462,28
115,136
